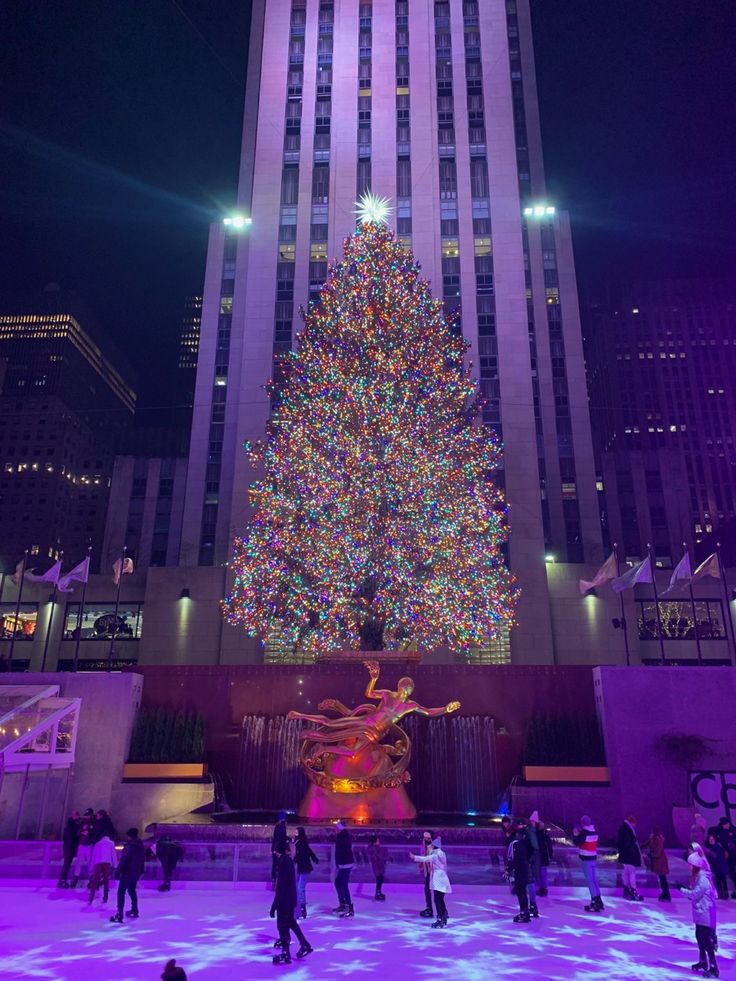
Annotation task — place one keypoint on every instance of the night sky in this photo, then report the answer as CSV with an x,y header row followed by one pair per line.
x,y
120,131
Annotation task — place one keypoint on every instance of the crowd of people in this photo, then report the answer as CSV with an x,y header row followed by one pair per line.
x,y
711,857
89,852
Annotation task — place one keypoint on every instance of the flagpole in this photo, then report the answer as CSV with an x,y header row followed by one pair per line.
x,y
51,615
695,613
623,613
653,567
17,609
80,620
117,607
727,621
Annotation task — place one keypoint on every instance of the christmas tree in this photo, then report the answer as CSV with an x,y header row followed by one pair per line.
x,y
377,524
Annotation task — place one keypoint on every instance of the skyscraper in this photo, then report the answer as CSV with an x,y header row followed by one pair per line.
x,y
434,106
662,356
65,408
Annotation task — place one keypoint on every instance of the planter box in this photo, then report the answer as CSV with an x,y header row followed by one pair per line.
x,y
566,774
164,771
382,657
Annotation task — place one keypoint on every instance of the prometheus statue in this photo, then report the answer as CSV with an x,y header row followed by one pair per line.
x,y
362,752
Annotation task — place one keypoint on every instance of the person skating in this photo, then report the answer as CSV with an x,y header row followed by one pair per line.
x,y
70,843
659,863
277,839
725,834
304,858
532,838
702,894
518,866
344,862
546,853
84,847
104,860
718,863
585,837
172,972
629,855
378,856
130,869
439,880
425,871
284,906
169,853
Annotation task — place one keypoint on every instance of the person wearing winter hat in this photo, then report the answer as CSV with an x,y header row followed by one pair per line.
x,y
702,894
586,838
130,869
425,871
545,857
277,839
532,837
439,880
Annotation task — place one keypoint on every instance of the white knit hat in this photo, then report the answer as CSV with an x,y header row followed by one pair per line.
x,y
698,860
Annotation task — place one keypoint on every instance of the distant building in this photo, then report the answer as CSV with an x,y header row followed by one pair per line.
x,y
189,347
662,364
65,407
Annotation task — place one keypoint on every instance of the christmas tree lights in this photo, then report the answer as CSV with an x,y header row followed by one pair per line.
x,y
377,524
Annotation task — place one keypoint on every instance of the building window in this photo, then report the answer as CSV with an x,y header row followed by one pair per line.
x,y
99,621
678,622
23,627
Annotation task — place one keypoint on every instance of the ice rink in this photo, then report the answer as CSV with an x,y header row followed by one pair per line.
x,y
220,932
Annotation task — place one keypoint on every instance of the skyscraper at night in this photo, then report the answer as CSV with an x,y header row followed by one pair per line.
x,y
434,106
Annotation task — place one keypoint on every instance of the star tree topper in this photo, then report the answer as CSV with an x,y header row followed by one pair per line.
x,y
371,209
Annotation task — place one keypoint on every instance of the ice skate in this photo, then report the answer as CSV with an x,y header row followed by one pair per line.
x,y
700,966
524,917
282,958
712,972
118,918
427,913
340,909
304,950
347,912
440,923
133,914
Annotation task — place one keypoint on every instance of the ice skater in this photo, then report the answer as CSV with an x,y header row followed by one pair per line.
x,y
130,869
546,854
304,868
344,862
377,856
518,868
284,906
169,853
702,894
586,838
70,843
425,872
84,847
629,855
659,863
277,839
439,880
104,860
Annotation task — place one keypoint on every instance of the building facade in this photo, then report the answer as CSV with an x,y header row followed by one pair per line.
x,y
662,358
65,407
434,106
189,348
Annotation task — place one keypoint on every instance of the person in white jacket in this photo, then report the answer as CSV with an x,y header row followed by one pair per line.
x,y
703,896
104,860
438,879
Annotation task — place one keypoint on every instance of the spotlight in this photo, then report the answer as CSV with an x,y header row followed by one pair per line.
x,y
184,594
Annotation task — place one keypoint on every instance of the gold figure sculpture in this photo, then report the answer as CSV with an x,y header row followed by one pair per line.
x,y
364,748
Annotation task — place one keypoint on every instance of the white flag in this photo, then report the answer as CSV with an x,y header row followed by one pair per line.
x,y
127,569
682,573
638,573
51,575
606,571
18,574
711,567
80,573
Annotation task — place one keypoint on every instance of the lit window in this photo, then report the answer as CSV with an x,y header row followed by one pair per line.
x,y
226,304
450,247
287,251
482,246
318,252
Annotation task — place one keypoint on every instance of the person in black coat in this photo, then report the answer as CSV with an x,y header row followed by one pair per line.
x,y
629,855
518,859
284,906
130,868
102,827
70,841
304,868
169,853
278,838
344,862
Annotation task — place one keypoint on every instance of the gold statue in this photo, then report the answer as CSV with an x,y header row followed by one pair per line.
x,y
347,754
